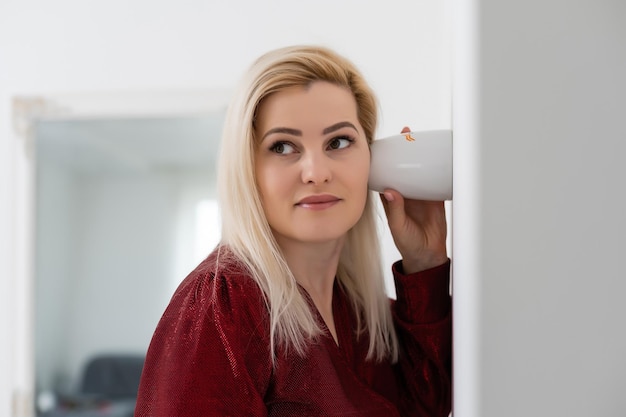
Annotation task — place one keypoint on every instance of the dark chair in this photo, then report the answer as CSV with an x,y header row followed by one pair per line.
x,y
113,377
108,388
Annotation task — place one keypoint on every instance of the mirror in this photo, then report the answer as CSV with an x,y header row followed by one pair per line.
x,y
125,208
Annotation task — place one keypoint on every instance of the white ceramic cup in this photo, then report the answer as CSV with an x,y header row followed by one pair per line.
x,y
417,164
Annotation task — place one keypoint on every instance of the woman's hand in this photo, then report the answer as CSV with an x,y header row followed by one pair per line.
x,y
418,228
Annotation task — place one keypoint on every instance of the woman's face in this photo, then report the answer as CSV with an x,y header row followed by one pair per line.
x,y
312,163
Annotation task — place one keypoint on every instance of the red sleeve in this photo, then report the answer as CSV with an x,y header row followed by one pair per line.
x,y
423,318
209,354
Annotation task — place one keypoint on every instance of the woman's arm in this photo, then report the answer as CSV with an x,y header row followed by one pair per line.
x,y
423,320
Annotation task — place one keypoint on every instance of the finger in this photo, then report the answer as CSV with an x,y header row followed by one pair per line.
x,y
393,202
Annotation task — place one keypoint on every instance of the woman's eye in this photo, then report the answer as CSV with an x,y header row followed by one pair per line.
x,y
340,142
282,148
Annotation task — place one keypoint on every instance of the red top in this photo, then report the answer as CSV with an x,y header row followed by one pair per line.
x,y
210,355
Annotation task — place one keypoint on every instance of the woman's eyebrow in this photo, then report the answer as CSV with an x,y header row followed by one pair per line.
x,y
338,126
296,132
288,130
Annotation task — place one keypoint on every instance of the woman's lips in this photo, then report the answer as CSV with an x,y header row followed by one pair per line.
x,y
318,202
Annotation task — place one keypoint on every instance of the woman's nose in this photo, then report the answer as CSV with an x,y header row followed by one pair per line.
x,y
316,168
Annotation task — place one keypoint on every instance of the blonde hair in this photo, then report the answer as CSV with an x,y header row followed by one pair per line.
x,y
246,232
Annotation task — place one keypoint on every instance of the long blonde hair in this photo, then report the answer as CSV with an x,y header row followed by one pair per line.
x,y
246,232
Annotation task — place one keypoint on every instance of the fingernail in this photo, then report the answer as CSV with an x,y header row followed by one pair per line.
x,y
388,196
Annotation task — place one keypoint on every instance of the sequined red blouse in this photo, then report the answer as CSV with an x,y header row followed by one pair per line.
x,y
209,355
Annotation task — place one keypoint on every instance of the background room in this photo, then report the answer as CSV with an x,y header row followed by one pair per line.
x,y
111,114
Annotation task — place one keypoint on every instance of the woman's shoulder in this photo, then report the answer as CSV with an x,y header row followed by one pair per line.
x,y
219,286
211,343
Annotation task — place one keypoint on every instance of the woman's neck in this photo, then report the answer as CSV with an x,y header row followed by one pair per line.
x,y
314,265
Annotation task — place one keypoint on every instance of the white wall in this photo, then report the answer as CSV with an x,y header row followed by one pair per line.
x,y
70,46
544,85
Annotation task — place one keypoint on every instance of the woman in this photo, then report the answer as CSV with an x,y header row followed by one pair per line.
x,y
288,316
